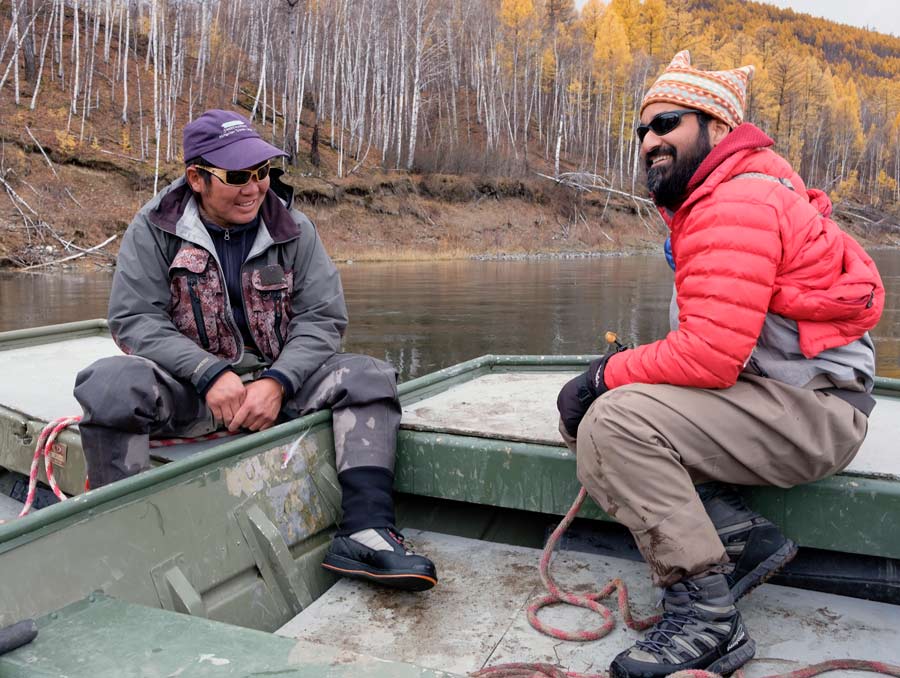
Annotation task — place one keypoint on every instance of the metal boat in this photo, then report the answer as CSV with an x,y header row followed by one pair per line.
x,y
209,564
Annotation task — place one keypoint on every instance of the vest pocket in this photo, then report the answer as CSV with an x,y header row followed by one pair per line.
x,y
198,302
267,299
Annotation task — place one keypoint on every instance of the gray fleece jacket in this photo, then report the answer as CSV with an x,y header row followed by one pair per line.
x,y
169,302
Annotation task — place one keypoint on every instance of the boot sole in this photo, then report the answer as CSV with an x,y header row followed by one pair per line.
x,y
732,661
723,666
407,581
765,570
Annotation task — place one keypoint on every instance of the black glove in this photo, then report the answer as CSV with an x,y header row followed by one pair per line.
x,y
577,395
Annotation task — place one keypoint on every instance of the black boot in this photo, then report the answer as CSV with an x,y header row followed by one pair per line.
x,y
700,629
367,545
756,548
380,555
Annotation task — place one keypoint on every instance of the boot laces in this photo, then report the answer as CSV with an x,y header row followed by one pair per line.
x,y
672,624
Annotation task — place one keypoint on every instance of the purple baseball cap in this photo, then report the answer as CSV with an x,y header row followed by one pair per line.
x,y
226,140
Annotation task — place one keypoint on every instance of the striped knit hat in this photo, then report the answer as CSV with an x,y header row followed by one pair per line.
x,y
722,94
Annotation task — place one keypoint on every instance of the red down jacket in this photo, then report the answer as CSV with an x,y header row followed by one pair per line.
x,y
745,247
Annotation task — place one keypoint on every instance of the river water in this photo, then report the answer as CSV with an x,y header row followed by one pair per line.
x,y
425,316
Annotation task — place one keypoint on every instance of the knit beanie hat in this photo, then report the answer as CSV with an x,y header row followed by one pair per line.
x,y
721,94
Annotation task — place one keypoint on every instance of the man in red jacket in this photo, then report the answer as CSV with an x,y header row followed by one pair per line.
x,y
764,378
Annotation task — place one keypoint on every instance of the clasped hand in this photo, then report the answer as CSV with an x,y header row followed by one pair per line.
x,y
254,406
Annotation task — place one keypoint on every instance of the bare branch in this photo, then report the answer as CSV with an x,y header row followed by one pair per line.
x,y
74,256
15,196
52,168
592,187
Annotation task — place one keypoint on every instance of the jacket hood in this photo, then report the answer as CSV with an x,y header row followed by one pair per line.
x,y
275,210
746,150
820,200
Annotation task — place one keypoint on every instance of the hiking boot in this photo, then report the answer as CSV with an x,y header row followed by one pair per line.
x,y
380,555
700,629
756,548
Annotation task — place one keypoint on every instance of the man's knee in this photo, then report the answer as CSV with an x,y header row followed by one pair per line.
x,y
367,378
116,390
591,443
612,423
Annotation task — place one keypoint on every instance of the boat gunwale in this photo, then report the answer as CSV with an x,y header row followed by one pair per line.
x,y
17,338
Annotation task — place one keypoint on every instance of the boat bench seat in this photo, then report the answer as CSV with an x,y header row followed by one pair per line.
x,y
116,638
483,432
37,386
493,439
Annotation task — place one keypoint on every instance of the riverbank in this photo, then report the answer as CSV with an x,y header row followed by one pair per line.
x,y
439,217
66,203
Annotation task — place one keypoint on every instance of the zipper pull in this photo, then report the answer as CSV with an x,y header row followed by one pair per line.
x,y
227,235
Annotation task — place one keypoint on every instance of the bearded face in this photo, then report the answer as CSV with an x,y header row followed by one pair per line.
x,y
669,167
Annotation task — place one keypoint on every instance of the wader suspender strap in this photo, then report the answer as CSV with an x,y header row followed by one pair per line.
x,y
858,399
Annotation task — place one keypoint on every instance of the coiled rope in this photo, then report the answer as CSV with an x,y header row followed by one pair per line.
x,y
45,446
42,450
591,601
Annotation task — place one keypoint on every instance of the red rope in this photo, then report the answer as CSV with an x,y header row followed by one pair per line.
x,y
591,602
169,442
550,671
42,450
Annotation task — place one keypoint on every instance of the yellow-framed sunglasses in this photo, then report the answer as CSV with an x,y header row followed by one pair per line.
x,y
238,177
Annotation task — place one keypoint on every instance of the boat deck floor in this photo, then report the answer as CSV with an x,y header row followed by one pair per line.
x,y
473,618
476,615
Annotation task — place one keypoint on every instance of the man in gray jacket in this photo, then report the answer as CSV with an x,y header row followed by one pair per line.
x,y
231,314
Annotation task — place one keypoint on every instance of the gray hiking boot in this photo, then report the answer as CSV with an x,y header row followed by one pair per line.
x,y
756,548
700,629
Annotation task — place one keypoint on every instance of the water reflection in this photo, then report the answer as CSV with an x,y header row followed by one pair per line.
x,y
33,299
887,333
424,316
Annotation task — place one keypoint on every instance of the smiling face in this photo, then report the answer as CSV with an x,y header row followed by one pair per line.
x,y
670,160
226,205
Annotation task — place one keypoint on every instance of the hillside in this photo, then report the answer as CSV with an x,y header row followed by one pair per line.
x,y
419,129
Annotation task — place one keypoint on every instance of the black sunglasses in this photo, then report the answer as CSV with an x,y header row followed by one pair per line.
x,y
238,177
662,123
